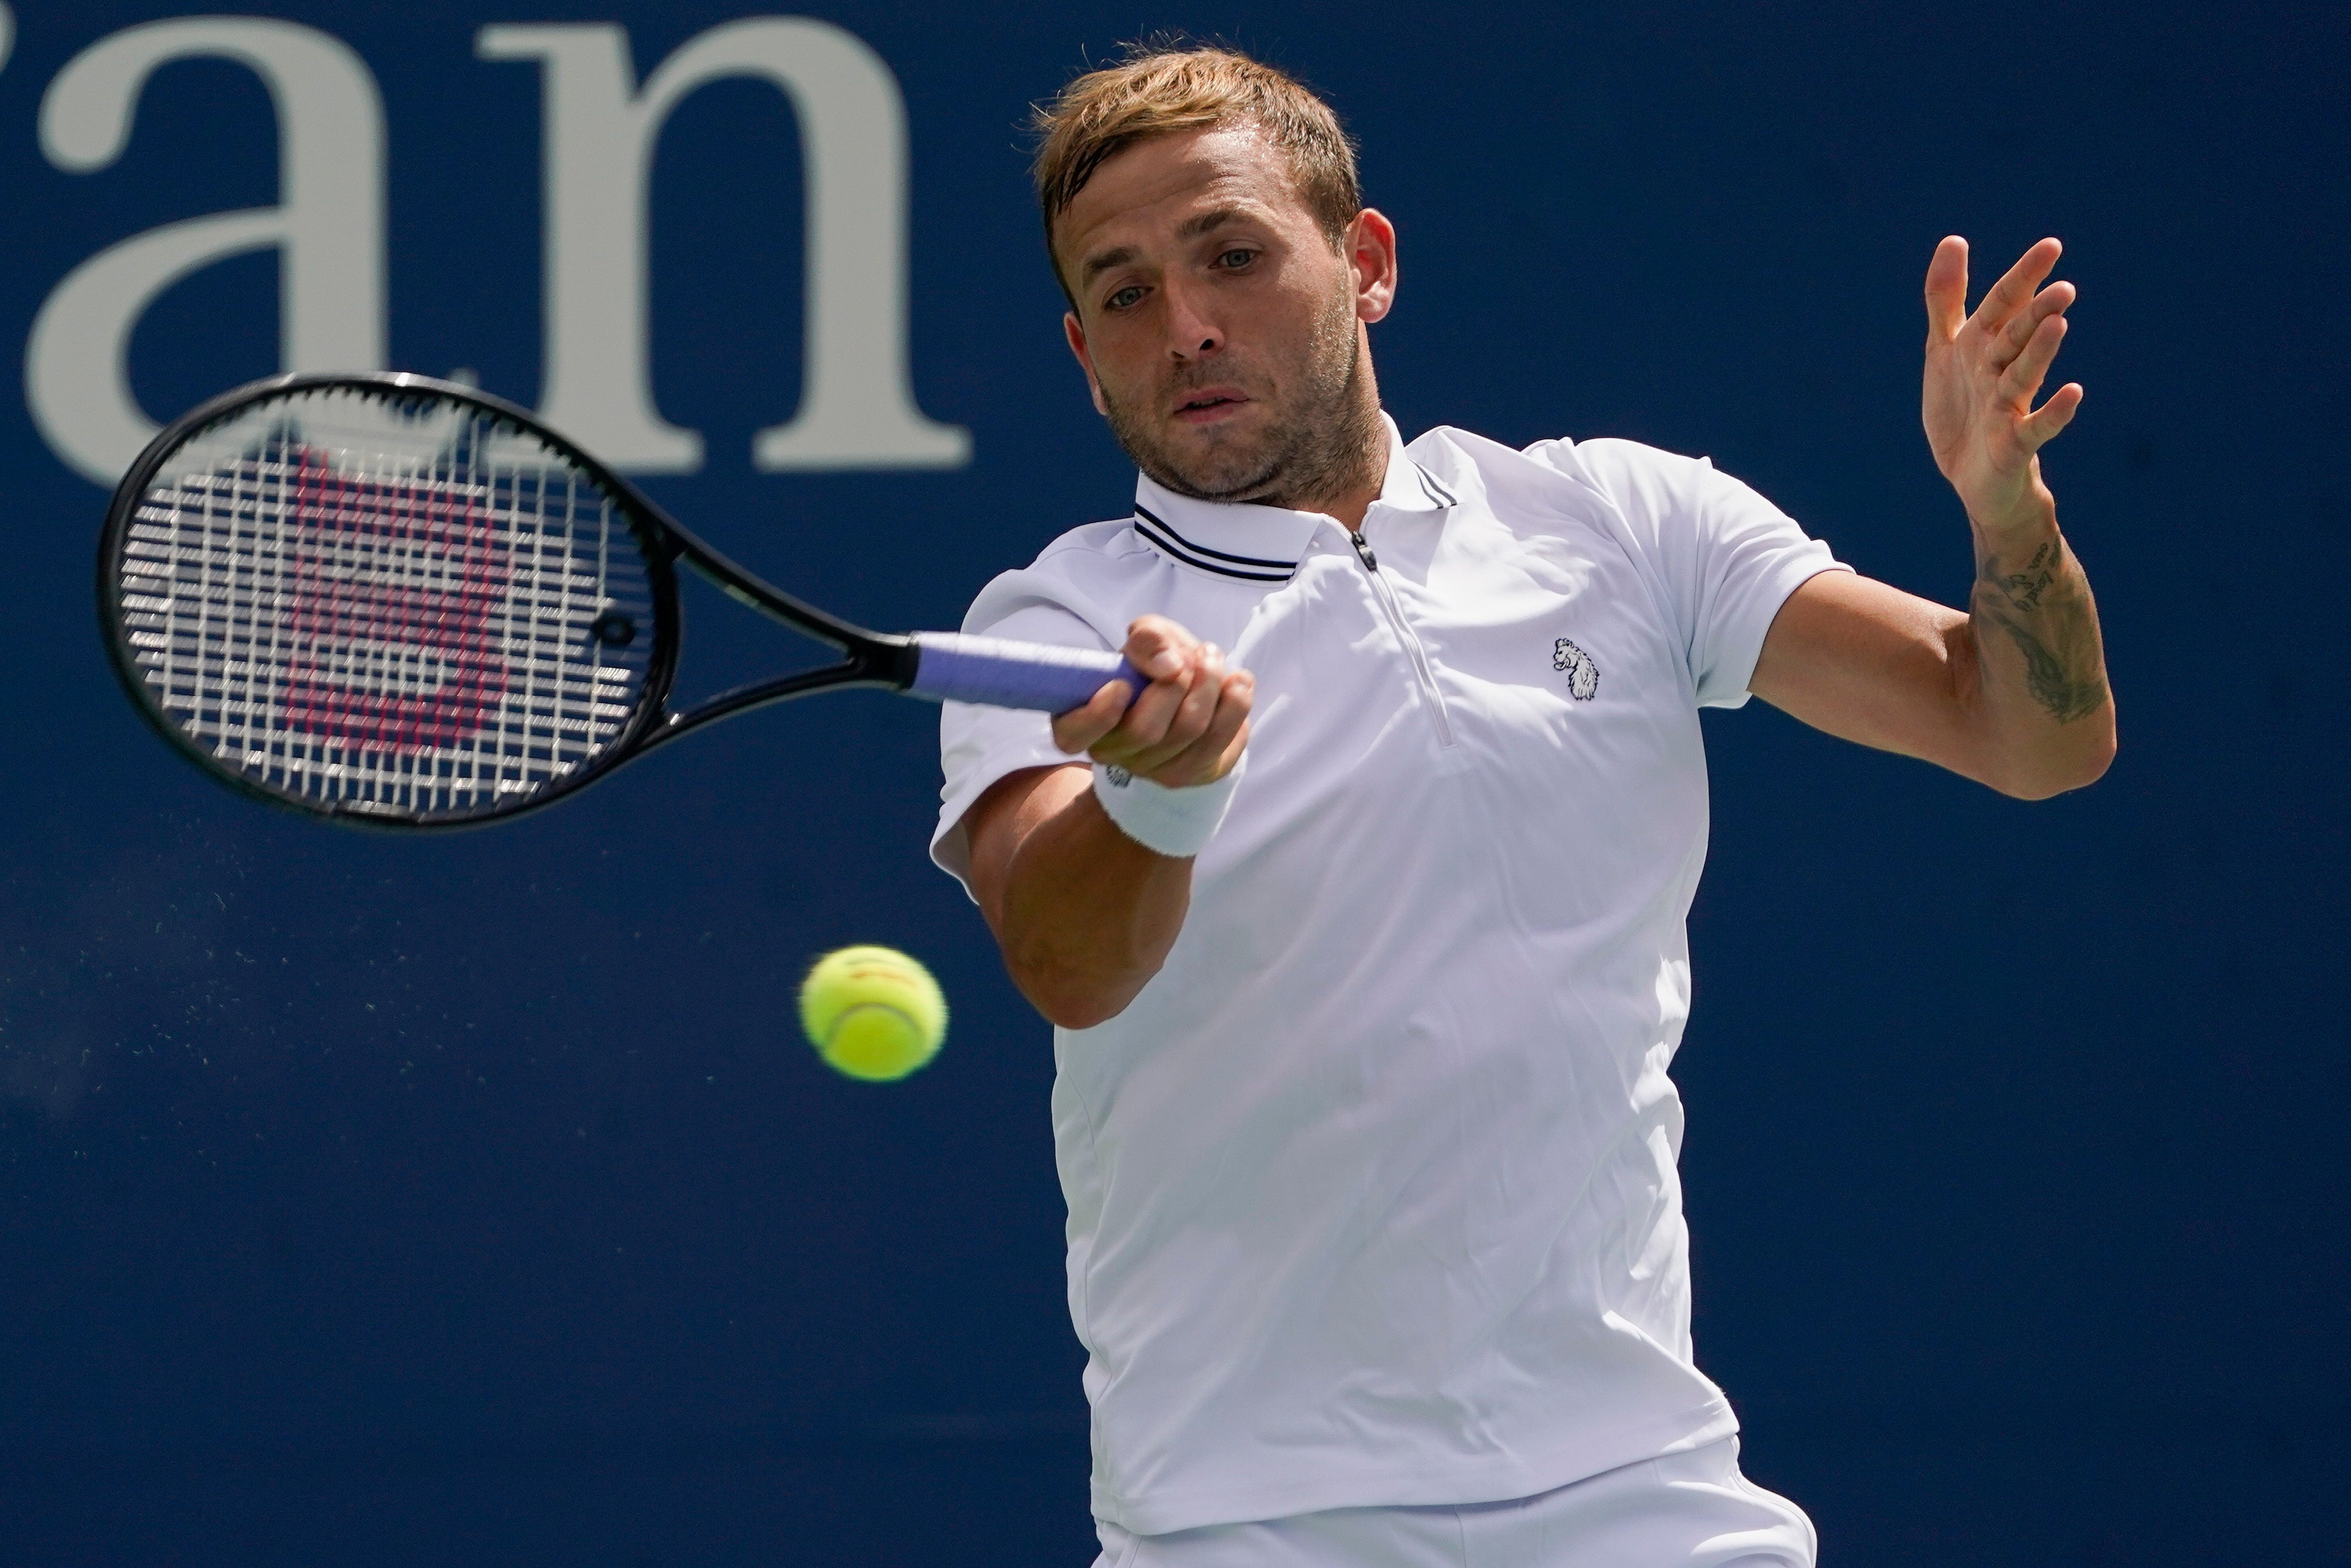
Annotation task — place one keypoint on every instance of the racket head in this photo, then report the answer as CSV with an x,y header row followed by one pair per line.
x,y
387,600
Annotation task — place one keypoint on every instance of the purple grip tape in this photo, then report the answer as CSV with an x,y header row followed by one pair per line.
x,y
961,669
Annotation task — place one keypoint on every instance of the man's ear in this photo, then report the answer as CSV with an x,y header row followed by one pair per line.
x,y
1077,337
1372,252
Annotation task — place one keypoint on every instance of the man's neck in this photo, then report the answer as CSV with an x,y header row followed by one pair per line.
x,y
1345,497
1349,508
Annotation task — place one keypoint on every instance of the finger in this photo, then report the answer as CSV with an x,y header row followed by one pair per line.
x,y
2016,286
2023,378
2051,301
1947,291
1077,729
1231,758
1218,749
1200,704
1159,647
1145,724
2042,427
1186,721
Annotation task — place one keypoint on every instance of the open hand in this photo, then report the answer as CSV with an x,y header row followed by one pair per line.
x,y
1982,373
1188,728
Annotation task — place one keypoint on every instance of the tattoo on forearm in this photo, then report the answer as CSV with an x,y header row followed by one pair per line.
x,y
2046,611
2057,683
2023,589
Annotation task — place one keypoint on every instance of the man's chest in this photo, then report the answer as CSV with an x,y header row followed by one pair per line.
x,y
1472,685
1463,642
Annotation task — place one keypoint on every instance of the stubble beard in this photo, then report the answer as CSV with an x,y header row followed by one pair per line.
x,y
1322,445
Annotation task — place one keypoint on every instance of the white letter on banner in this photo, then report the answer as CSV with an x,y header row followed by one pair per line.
x,y
328,225
857,403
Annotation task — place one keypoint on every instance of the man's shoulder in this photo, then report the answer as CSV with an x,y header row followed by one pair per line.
x,y
1594,458
1085,571
1553,475
1614,461
1088,552
1638,481
1104,537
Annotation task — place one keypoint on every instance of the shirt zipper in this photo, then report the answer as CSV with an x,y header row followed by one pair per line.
x,y
1422,672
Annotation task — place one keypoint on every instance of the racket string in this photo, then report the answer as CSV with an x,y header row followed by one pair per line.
x,y
345,606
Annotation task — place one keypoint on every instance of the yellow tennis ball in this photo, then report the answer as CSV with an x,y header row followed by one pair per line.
x,y
872,1013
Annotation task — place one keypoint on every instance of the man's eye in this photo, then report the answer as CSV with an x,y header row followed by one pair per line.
x,y
1235,258
1124,298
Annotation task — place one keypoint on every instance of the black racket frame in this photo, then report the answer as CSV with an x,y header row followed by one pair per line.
x,y
877,659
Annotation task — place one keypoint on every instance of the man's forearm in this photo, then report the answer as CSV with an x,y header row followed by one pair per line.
x,y
1084,914
1087,915
2041,675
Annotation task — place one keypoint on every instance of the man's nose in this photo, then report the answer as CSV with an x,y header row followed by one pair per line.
x,y
1192,332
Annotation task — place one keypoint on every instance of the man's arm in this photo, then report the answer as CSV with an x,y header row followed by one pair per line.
x,y
1084,915
2013,693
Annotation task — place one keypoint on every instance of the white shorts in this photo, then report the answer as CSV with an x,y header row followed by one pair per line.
x,y
1684,1510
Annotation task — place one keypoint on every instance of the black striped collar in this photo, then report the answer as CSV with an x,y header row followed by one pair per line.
x,y
1264,544
1439,497
1160,533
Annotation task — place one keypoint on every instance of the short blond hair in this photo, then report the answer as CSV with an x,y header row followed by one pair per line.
x,y
1160,88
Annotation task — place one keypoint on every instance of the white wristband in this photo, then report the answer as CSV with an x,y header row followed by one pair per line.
x,y
1177,823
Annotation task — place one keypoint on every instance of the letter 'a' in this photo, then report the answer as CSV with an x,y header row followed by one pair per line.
x,y
328,225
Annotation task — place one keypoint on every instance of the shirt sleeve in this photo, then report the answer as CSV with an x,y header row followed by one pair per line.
x,y
979,745
1726,559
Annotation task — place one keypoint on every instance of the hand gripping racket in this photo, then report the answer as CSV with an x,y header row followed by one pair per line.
x,y
390,600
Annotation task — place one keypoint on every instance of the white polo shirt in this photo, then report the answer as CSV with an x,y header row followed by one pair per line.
x,y
1372,1190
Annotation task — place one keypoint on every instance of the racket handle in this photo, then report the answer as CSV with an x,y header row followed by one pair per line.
x,y
953,667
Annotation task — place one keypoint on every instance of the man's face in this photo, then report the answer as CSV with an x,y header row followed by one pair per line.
x,y
1219,328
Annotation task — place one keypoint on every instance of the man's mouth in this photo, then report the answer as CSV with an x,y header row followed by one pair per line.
x,y
1208,403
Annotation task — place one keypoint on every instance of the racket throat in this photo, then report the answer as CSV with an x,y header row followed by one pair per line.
x,y
878,660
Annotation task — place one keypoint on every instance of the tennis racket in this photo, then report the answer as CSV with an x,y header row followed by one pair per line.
x,y
387,600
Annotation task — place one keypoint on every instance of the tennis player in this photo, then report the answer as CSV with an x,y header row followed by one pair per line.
x,y
1362,929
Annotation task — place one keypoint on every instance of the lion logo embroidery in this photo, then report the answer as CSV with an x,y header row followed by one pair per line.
x,y
1583,674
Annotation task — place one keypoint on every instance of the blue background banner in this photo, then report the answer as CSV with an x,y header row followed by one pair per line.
x,y
372,1201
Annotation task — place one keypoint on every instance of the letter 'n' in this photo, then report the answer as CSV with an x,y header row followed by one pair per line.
x,y
857,403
